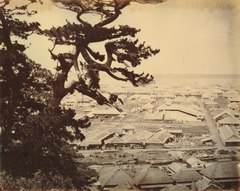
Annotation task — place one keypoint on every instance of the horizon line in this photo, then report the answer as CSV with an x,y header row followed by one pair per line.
x,y
219,74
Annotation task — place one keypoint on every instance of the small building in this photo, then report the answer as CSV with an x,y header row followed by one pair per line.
x,y
233,106
210,104
96,141
176,167
207,184
231,94
235,113
230,121
152,178
158,139
217,91
208,96
226,174
90,144
215,111
193,162
222,115
180,113
176,132
229,135
148,107
207,140
234,99
132,142
111,177
114,143
143,135
186,177
128,129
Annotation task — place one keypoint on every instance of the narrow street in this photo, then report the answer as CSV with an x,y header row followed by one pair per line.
x,y
213,129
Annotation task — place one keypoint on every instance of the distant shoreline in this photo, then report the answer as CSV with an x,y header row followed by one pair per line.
x,y
196,75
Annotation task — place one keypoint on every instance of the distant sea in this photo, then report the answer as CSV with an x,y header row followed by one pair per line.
x,y
186,80
198,79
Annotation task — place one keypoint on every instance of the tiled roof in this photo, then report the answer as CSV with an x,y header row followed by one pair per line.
x,y
194,161
221,170
152,176
128,127
228,133
186,176
143,135
159,138
131,139
205,183
176,167
114,140
221,114
177,107
114,176
229,120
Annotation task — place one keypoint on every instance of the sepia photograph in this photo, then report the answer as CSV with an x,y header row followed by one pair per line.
x,y
119,95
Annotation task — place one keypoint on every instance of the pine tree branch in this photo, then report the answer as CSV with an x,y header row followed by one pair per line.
x,y
4,3
112,17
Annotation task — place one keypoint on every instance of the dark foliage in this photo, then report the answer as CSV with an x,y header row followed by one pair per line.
x,y
34,136
35,131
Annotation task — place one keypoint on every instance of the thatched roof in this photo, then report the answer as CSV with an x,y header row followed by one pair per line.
x,y
131,139
160,137
230,120
152,176
114,176
114,140
229,134
186,176
221,170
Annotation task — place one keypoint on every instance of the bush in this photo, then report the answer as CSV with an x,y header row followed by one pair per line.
x,y
40,181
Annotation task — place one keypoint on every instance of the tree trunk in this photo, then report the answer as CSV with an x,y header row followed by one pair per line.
x,y
55,101
58,90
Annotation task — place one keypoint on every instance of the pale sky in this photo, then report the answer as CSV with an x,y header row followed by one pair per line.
x,y
194,36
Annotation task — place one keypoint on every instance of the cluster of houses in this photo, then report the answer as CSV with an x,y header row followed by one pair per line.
x,y
129,137
215,176
227,117
125,136
179,112
165,106
175,106
178,106
154,111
